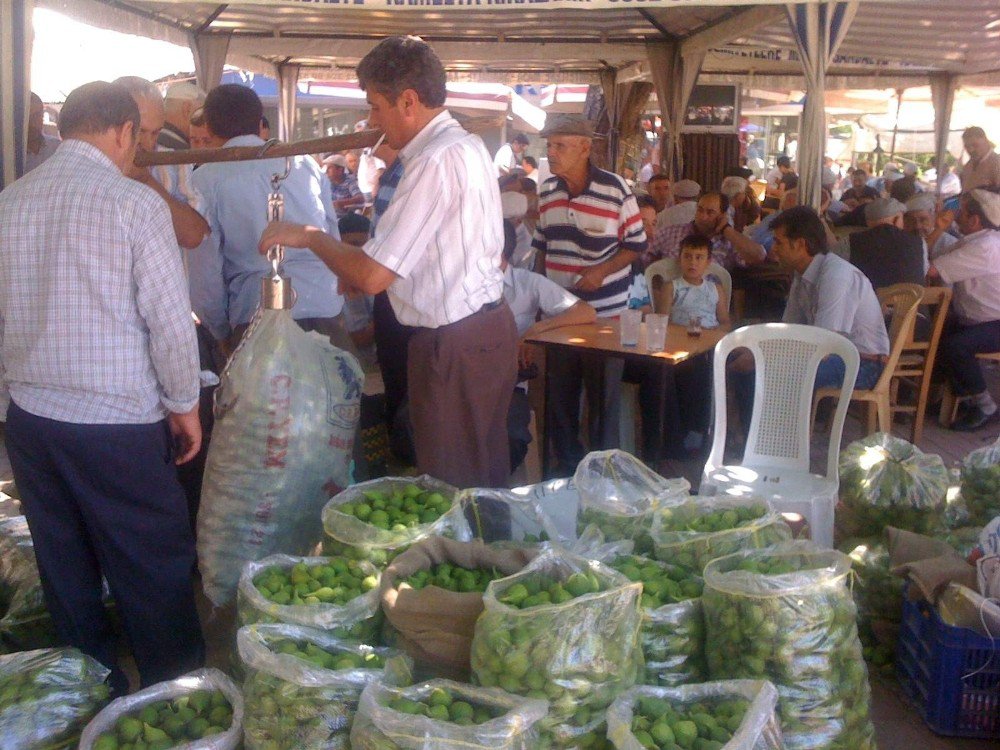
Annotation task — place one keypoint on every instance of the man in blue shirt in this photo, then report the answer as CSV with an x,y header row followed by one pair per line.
x,y
227,268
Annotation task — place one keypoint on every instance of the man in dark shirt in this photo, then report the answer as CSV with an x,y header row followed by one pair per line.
x,y
885,252
859,192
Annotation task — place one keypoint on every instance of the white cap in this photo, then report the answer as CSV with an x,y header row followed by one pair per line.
x,y
921,202
184,91
515,205
733,186
335,159
990,202
686,189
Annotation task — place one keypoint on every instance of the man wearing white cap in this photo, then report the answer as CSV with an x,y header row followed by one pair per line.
x,y
343,185
179,103
515,206
972,267
686,194
884,252
921,218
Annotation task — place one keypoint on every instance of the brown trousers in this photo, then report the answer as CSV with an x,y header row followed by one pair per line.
x,y
461,377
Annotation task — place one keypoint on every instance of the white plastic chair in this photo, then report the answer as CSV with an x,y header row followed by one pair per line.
x,y
776,460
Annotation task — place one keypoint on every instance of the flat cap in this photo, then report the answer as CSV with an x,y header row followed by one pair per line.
x,y
686,189
883,208
921,202
568,125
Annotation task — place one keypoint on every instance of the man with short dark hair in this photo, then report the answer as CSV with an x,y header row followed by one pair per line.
x,y
730,249
859,192
226,271
101,368
774,189
509,155
530,166
983,167
658,188
972,267
436,251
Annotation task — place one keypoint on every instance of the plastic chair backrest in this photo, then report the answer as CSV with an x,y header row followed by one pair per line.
x,y
902,301
669,269
786,357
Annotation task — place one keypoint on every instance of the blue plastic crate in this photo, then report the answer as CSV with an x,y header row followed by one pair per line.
x,y
953,674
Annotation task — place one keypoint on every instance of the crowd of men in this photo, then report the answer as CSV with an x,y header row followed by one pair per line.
x,y
441,257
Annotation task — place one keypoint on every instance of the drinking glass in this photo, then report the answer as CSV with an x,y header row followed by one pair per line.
x,y
630,322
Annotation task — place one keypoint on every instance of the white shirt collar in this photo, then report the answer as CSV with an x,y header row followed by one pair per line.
x,y
441,121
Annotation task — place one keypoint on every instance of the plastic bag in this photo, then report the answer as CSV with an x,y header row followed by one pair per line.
x,y
981,484
742,523
580,654
619,494
797,629
673,634
294,704
499,516
349,536
285,417
199,680
358,619
48,696
886,481
380,727
758,729
878,595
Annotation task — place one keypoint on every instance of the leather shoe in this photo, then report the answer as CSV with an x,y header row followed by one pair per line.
x,y
974,419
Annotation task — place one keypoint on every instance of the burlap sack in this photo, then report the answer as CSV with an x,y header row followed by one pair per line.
x,y
930,563
434,625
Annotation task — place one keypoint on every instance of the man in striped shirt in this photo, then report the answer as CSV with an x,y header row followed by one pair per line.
x,y
589,233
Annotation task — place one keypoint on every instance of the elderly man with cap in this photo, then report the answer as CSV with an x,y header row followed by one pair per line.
x,y
744,209
179,102
589,233
885,252
686,194
343,185
922,219
972,267
509,155
983,167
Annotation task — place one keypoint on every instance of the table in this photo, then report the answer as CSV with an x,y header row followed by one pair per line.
x,y
603,339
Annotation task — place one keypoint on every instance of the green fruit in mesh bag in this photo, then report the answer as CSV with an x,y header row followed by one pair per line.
x,y
663,725
788,617
617,527
981,487
166,724
335,582
454,578
673,631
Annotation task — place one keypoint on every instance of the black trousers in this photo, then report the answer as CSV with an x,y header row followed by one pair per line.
x,y
105,499
957,354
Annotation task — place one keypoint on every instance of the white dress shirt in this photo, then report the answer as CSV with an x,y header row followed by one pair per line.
x,y
96,321
972,266
442,232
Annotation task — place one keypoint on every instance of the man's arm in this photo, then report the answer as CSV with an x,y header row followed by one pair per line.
x,y
579,314
751,252
593,277
190,227
722,308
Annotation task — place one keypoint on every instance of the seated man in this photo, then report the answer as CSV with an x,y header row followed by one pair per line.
x,y
922,219
658,188
773,191
744,209
885,252
730,249
972,267
686,194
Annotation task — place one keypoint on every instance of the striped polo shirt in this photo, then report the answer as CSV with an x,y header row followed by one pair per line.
x,y
581,231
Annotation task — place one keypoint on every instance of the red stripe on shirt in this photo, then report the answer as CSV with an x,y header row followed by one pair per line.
x,y
583,208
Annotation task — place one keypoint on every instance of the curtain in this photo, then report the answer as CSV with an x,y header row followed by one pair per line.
x,y
609,87
818,29
943,97
288,86
15,82
674,77
210,52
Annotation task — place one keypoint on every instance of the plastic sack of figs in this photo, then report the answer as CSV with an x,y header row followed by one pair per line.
x,y
786,615
285,417
377,520
351,610
444,714
619,494
565,628
48,696
878,595
303,685
500,517
203,710
698,531
981,484
729,714
886,481
673,626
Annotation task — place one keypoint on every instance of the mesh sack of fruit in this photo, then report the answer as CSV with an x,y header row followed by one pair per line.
x,y
303,685
673,628
786,615
981,484
566,629
432,595
878,595
48,696
377,520
285,417
724,715
335,594
443,714
696,532
500,517
886,481
203,710
619,494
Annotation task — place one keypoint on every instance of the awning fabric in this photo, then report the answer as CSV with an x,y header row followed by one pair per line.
x,y
15,45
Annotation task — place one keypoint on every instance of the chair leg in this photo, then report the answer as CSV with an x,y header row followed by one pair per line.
x,y
949,404
871,414
917,431
884,413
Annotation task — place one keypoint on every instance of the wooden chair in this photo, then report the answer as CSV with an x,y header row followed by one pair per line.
x,y
917,360
902,301
949,403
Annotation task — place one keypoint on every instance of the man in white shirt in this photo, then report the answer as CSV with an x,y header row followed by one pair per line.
x,y
436,250
921,218
686,194
972,267
509,155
